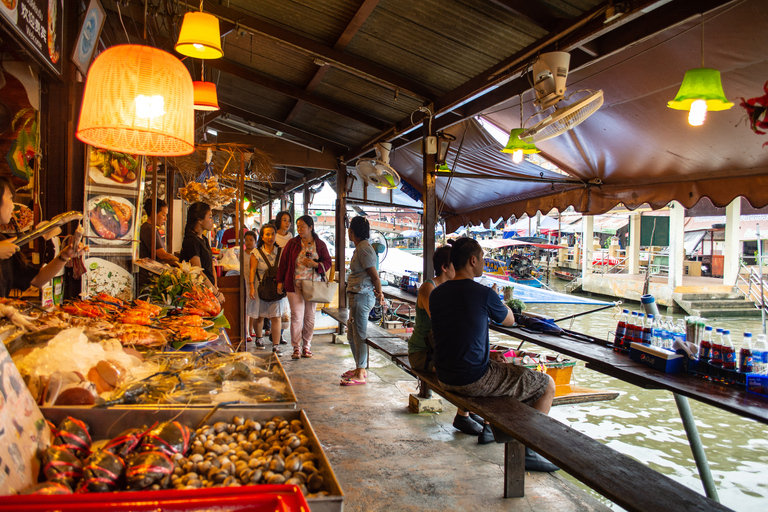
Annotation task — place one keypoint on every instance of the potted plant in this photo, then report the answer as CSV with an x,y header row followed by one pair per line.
x,y
516,305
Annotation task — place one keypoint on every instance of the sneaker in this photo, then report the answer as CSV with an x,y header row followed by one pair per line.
x,y
306,353
486,436
276,350
259,343
296,354
467,425
283,342
535,462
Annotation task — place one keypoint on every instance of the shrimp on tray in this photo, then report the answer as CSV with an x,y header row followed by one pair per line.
x,y
86,309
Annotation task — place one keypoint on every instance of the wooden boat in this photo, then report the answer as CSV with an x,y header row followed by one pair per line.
x,y
565,276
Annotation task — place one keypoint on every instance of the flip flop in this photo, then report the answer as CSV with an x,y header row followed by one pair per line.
x,y
352,382
347,374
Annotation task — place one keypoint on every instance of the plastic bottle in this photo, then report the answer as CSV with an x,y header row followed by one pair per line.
x,y
669,337
680,330
760,355
657,331
637,336
717,349
728,351
621,329
630,334
705,347
648,330
745,354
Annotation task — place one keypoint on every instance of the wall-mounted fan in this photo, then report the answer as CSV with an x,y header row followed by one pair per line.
x,y
550,72
377,171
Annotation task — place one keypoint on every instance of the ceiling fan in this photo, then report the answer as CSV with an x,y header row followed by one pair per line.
x,y
377,171
550,72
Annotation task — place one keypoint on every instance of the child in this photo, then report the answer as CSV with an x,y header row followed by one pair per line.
x,y
251,305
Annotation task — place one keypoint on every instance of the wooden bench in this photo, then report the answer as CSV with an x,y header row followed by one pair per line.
x,y
381,339
623,480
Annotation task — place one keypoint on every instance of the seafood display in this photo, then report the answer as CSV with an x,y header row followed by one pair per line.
x,y
111,217
169,454
183,287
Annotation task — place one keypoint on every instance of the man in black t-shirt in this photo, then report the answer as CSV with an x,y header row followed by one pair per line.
x,y
461,313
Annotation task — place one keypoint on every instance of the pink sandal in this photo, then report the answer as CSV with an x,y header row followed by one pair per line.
x,y
306,353
348,374
352,382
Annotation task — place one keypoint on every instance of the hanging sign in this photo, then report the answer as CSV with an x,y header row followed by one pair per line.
x,y
41,24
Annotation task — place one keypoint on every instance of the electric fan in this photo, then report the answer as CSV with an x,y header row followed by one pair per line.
x,y
377,171
379,244
550,72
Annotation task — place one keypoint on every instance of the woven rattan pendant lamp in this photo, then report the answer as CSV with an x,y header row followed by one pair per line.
x,y
138,100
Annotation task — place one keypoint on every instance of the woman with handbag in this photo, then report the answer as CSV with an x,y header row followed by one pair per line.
x,y
304,257
363,288
265,299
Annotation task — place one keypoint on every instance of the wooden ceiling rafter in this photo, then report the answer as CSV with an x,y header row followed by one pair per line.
x,y
246,73
354,25
350,63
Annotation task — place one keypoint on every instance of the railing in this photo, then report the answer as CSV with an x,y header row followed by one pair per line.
x,y
755,290
570,287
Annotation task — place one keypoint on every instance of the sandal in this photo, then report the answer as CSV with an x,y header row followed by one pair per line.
x,y
348,374
296,354
306,353
352,382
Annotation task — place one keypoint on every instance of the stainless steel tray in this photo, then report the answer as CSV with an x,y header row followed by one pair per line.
x,y
108,423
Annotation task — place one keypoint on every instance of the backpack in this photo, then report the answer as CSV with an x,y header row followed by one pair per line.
x,y
268,282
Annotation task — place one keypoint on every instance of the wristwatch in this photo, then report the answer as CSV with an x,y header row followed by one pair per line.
x,y
62,259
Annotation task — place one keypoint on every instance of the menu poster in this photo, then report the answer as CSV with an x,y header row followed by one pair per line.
x,y
41,24
24,434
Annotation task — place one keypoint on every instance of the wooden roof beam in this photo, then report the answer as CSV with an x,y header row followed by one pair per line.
x,y
352,28
350,63
531,10
334,147
250,75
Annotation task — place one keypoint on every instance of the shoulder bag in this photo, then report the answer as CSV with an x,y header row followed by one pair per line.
x,y
318,291
268,282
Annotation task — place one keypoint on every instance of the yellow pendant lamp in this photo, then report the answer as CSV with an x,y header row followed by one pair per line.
x,y
701,91
199,36
517,146
138,100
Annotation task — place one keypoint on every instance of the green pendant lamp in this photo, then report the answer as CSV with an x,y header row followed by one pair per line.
x,y
701,91
517,146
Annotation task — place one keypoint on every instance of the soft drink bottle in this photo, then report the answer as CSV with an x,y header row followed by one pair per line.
x,y
745,354
637,336
648,330
705,348
630,334
760,355
717,348
621,329
728,351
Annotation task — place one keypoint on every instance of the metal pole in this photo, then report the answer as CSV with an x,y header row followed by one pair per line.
x,y
696,447
760,273
588,312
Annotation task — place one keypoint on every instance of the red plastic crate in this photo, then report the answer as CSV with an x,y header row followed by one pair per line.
x,y
248,498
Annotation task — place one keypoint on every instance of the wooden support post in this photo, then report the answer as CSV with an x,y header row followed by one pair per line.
x,y
170,193
430,204
241,245
305,191
269,211
341,234
153,211
514,469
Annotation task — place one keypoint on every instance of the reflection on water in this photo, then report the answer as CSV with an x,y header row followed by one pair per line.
x,y
645,424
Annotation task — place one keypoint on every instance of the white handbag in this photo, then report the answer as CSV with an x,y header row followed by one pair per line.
x,y
318,291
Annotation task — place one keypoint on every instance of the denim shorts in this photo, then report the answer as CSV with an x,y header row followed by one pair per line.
x,y
504,379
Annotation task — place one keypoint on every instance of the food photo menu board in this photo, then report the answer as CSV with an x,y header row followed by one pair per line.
x,y
40,24
112,220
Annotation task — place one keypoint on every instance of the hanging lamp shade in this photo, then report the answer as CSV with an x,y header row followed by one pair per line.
x,y
138,100
199,36
701,84
205,96
515,143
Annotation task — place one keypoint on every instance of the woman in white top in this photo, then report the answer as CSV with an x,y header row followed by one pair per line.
x,y
283,223
251,306
266,255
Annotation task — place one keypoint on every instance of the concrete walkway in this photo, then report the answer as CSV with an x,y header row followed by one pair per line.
x,y
388,459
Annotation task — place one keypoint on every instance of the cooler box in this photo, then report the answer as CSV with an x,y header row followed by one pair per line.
x,y
655,357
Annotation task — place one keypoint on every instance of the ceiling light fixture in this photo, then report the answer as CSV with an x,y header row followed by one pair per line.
x,y
138,100
517,146
701,91
200,36
205,94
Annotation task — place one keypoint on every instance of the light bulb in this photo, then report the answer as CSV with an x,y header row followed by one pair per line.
x,y
384,190
149,106
697,113
517,156
246,204
198,47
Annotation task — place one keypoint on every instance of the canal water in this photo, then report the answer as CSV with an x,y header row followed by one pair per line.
x,y
645,424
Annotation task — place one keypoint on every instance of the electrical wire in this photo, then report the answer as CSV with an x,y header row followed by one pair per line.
x,y
120,14
450,179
